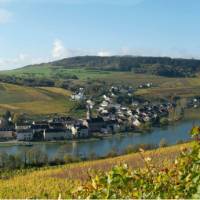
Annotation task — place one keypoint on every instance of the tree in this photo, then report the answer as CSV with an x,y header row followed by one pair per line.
x,y
7,115
37,157
18,118
163,143
195,132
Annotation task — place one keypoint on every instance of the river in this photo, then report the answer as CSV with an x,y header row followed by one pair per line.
x,y
171,134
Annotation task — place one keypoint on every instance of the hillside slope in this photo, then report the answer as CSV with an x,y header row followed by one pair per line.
x,y
55,181
31,100
163,66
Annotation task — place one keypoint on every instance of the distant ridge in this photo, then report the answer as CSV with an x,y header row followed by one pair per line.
x,y
164,66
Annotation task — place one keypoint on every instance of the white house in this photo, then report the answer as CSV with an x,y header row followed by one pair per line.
x,y
25,135
57,135
79,131
78,97
104,104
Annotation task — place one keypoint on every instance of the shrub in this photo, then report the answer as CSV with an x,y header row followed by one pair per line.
x,y
164,121
163,143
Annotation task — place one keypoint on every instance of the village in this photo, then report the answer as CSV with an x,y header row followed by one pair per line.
x,y
107,114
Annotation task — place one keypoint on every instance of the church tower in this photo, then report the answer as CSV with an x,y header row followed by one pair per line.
x,y
89,113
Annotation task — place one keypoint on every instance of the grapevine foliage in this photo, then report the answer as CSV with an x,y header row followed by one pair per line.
x,y
181,180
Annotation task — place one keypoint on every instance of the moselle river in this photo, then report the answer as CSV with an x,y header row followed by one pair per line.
x,y
172,134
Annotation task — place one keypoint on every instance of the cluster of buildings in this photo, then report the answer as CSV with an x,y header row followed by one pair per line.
x,y
111,118
104,116
135,115
63,128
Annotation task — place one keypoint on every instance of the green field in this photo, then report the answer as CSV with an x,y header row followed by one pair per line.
x,y
47,71
34,101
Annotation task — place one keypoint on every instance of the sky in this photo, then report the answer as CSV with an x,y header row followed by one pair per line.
x,y
35,31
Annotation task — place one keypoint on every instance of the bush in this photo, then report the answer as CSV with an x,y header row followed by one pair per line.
x,y
164,121
163,143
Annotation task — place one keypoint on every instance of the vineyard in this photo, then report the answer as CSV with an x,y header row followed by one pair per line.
x,y
179,178
180,181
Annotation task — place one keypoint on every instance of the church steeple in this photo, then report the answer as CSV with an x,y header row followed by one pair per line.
x,y
89,113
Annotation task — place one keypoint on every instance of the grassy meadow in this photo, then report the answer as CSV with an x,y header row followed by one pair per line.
x,y
51,182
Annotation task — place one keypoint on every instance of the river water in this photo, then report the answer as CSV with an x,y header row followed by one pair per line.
x,y
171,134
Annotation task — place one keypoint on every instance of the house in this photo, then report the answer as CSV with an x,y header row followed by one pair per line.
x,y
7,134
56,134
104,104
25,135
79,131
24,132
24,126
94,124
3,123
38,130
112,126
79,95
54,131
106,98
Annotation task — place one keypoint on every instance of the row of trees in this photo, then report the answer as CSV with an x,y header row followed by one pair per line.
x,y
57,79
35,157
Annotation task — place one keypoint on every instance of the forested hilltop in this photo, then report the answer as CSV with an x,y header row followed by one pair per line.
x,y
163,66
78,70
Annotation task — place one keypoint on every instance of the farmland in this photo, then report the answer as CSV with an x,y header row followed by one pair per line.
x,y
54,181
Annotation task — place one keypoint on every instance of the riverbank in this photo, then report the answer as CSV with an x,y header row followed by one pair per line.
x,y
189,114
96,136
102,147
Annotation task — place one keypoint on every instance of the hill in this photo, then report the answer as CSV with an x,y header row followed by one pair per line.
x,y
92,72
164,66
77,68
54,181
34,101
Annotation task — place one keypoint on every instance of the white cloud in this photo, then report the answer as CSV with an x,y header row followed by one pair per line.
x,y
103,53
58,50
5,16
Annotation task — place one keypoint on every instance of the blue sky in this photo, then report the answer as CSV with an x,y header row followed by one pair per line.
x,y
34,31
